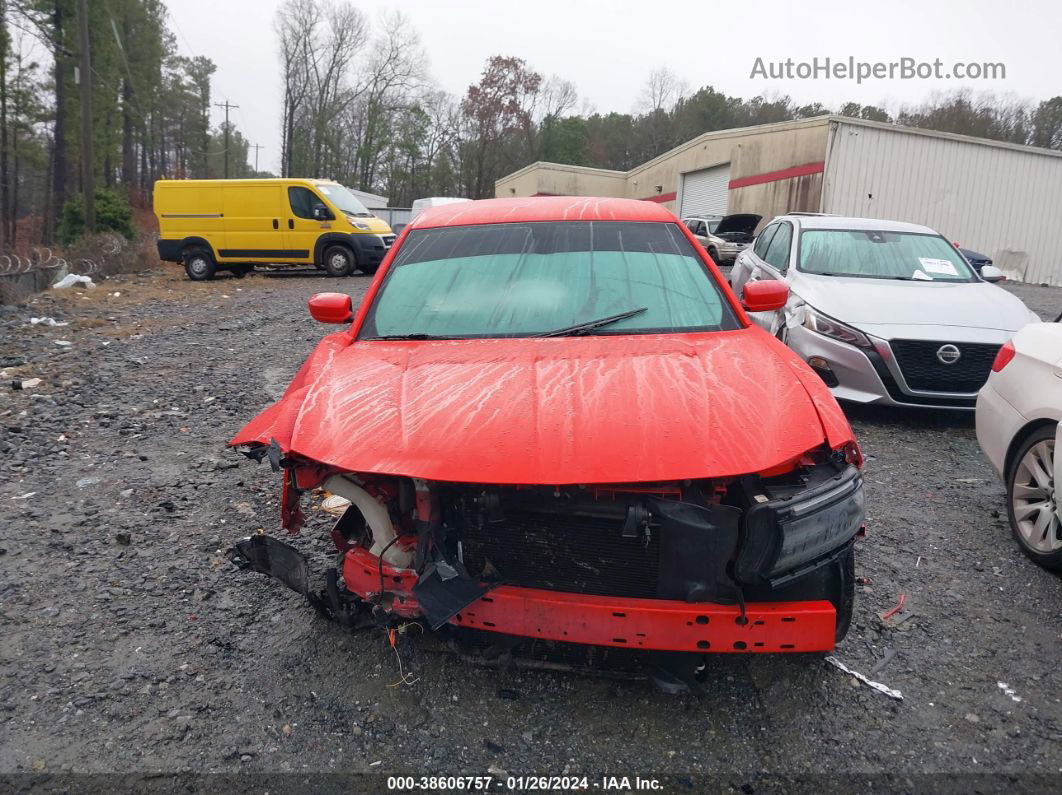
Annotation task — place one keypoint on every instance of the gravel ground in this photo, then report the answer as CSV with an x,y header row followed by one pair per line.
x,y
130,644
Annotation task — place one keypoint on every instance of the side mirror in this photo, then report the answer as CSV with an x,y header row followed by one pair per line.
x,y
331,308
990,273
320,213
765,296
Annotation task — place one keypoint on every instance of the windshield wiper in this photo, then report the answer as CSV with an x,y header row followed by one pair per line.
x,y
581,328
405,337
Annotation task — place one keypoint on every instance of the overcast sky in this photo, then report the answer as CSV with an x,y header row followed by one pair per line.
x,y
608,48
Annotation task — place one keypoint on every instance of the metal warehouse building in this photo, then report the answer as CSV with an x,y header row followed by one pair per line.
x,y
1003,200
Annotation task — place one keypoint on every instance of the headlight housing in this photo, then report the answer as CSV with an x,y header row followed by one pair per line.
x,y
835,329
364,227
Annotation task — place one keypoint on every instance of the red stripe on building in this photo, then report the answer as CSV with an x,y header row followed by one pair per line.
x,y
774,176
663,197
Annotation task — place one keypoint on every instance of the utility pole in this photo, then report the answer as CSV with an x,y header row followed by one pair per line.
x,y
256,148
227,108
85,78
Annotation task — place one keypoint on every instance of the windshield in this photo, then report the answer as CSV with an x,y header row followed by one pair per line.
x,y
874,254
345,201
519,280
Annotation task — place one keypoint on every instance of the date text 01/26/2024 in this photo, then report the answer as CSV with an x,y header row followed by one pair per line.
x,y
521,783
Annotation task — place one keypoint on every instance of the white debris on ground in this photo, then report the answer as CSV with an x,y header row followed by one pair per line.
x,y
73,280
890,692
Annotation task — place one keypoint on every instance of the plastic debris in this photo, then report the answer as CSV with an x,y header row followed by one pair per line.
x,y
47,321
890,692
72,280
25,496
63,343
886,658
85,482
335,504
29,383
894,610
1009,691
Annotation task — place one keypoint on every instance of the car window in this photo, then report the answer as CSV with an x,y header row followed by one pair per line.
x,y
777,255
523,279
302,201
698,228
764,240
876,254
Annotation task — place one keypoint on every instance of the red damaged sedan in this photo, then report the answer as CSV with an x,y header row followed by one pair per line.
x,y
553,420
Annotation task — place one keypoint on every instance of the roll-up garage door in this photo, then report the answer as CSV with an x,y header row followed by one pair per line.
x,y
704,192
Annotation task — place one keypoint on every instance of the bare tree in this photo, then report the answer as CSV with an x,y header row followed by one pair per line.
x,y
662,90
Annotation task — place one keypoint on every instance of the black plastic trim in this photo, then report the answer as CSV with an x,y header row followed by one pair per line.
x,y
264,253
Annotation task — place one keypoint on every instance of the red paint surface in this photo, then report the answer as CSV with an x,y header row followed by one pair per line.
x,y
609,409
765,296
658,624
774,176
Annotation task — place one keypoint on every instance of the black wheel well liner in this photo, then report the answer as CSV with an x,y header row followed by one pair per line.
x,y
333,239
1026,431
198,242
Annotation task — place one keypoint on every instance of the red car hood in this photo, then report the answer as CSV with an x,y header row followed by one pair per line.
x,y
606,409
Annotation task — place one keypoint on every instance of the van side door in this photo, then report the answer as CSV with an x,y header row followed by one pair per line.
x,y
252,223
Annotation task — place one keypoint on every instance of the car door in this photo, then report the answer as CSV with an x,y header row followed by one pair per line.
x,y
773,265
302,228
699,230
745,263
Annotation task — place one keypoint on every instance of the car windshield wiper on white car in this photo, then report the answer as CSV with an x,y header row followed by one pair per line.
x,y
589,325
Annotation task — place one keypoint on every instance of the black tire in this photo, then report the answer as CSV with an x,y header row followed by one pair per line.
x,y
845,604
369,270
714,255
199,264
338,261
239,271
1019,475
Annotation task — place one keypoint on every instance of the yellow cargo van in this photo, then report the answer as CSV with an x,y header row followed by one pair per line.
x,y
234,224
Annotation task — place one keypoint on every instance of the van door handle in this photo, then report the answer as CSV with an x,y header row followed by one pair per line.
x,y
291,223
276,224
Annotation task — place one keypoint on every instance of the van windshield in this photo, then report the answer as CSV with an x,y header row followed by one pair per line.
x,y
345,201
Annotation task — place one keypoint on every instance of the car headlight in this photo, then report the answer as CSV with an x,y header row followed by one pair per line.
x,y
358,224
835,329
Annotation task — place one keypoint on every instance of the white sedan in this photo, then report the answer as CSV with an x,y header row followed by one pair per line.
x,y
1019,427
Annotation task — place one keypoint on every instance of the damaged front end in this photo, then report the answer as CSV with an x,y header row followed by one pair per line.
x,y
757,563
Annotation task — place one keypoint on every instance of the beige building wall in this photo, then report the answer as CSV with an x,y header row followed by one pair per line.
x,y
764,153
554,179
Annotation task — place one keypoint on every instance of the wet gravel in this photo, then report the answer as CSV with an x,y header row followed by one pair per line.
x,y
130,644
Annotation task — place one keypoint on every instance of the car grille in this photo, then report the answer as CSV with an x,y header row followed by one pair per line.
x,y
555,552
922,370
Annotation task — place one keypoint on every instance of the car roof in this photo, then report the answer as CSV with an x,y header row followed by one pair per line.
x,y
862,224
541,208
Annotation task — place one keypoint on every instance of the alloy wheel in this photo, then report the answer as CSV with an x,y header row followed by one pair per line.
x,y
1034,499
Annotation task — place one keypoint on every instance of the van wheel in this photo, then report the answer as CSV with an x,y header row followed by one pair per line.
x,y
338,261
199,264
369,270
714,255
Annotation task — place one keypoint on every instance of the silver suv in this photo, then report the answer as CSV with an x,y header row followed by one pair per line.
x,y
723,236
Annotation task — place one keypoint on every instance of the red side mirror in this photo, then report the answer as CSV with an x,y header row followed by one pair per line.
x,y
331,308
764,296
